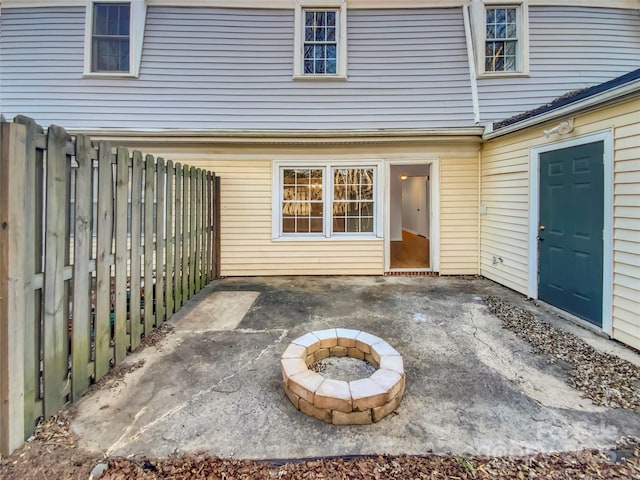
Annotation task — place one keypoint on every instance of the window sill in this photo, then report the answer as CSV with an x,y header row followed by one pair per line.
x,y
503,75
338,238
320,77
109,75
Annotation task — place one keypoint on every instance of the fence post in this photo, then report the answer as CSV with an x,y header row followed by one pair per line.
x,y
216,226
15,283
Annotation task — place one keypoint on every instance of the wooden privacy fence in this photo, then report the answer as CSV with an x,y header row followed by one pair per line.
x,y
98,246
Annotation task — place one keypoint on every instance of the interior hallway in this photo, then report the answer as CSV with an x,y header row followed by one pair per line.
x,y
411,252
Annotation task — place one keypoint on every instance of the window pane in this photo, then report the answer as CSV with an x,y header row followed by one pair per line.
x,y
320,42
351,213
510,64
308,66
302,206
110,42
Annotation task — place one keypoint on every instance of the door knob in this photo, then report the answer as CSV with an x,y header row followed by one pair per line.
x,y
541,227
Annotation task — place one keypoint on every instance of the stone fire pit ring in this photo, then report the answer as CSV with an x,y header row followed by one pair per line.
x,y
358,402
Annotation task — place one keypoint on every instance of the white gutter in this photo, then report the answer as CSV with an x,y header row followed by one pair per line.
x,y
616,93
473,77
408,134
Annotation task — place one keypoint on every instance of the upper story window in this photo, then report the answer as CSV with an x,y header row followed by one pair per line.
x,y
501,45
320,49
502,37
320,39
113,37
110,40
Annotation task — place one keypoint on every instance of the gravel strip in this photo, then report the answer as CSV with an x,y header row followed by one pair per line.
x,y
605,379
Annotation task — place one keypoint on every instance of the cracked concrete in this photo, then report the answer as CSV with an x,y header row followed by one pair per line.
x,y
214,384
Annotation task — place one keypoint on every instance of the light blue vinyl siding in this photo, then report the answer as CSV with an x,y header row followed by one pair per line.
x,y
217,68
570,48
232,69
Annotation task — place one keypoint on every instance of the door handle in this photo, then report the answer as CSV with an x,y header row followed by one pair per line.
x,y
541,228
540,239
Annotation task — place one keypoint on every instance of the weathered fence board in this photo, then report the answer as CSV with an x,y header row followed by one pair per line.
x,y
149,197
121,255
136,250
179,215
32,205
55,358
14,281
103,301
216,225
84,234
81,330
186,237
160,233
193,172
170,245
198,249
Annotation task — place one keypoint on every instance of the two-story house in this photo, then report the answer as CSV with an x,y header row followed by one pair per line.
x,y
358,136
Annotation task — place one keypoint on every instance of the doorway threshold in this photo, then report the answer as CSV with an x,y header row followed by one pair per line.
x,y
411,272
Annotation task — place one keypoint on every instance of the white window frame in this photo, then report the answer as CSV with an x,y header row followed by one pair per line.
x,y
327,167
479,15
137,18
298,43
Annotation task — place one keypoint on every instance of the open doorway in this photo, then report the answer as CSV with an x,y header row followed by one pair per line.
x,y
410,226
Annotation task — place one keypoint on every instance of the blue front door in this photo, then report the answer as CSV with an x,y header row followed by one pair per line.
x,y
570,236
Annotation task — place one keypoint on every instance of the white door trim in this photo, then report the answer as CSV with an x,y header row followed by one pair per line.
x,y
434,214
534,216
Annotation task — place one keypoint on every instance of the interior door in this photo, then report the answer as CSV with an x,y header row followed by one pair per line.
x,y
570,237
422,208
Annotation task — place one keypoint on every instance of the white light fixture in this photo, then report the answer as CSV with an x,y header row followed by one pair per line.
x,y
562,128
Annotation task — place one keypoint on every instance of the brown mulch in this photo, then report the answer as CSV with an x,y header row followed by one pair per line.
x,y
587,464
605,379
54,453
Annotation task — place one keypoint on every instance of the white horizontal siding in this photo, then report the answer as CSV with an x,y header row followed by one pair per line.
x,y
570,48
221,68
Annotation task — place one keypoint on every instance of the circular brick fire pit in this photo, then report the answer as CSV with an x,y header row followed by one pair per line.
x,y
358,402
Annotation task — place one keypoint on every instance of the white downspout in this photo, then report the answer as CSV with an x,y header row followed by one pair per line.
x,y
472,65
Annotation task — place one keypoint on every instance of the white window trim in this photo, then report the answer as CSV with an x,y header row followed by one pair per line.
x,y
326,166
137,19
607,235
479,16
298,44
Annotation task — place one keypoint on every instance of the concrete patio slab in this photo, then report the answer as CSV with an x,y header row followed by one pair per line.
x,y
471,386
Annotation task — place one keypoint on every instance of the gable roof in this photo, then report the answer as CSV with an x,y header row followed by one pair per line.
x,y
570,102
